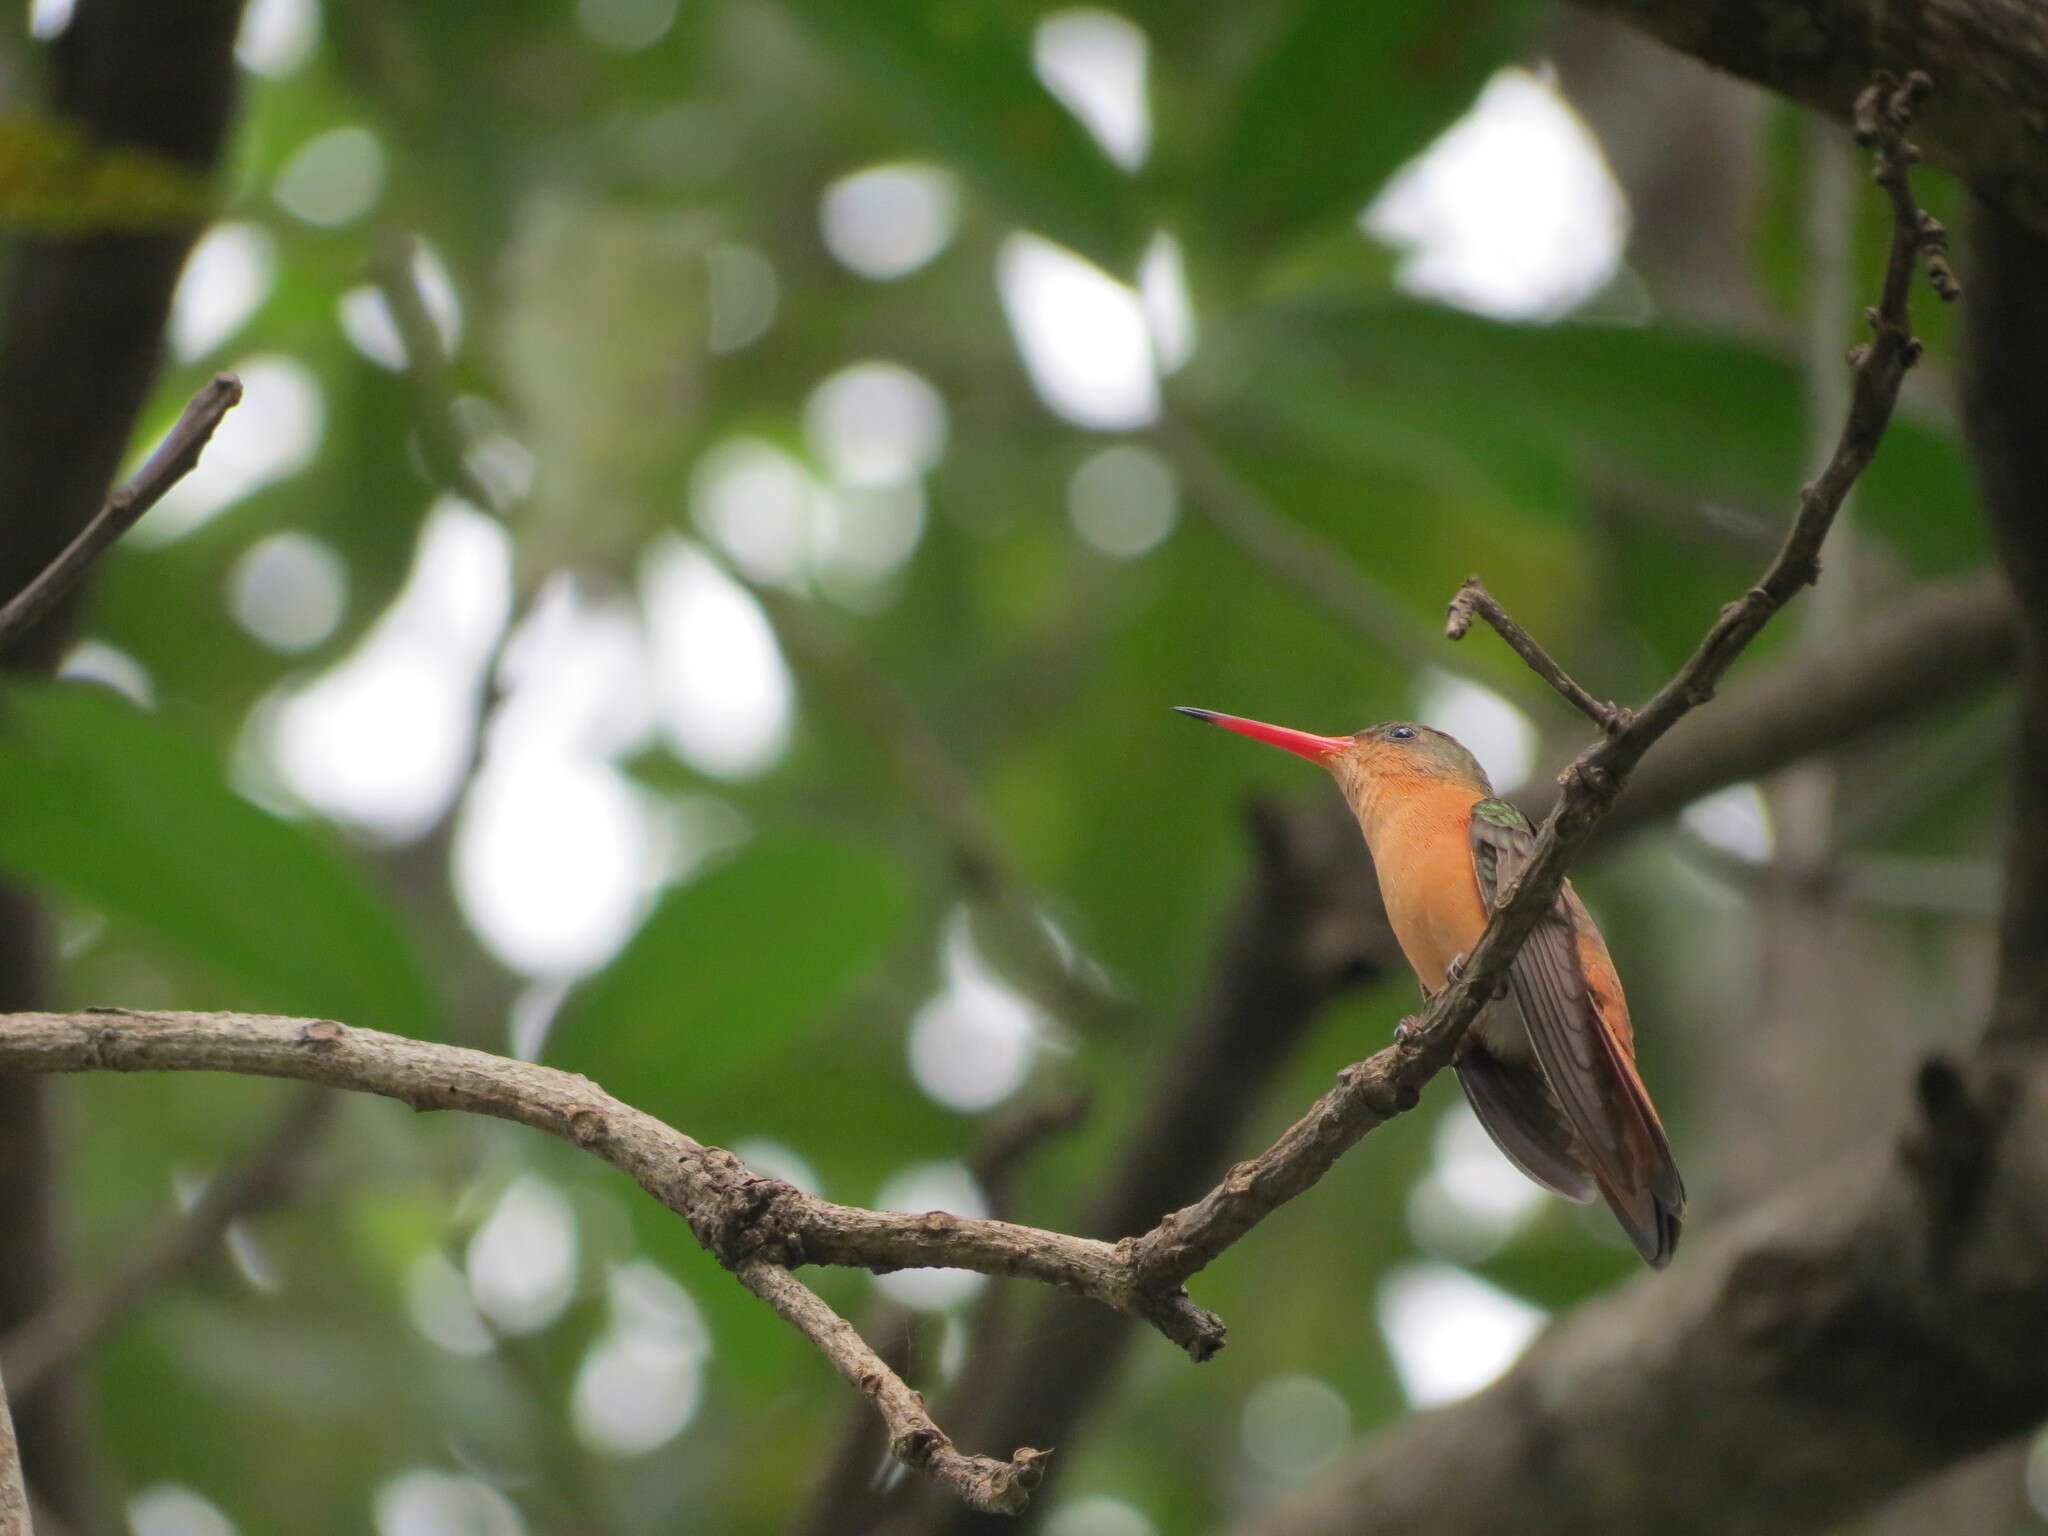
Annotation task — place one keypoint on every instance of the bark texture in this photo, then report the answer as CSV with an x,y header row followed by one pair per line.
x,y
1988,124
1801,1366
79,346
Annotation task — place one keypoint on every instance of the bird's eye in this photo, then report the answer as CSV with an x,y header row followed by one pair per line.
x,y
1402,733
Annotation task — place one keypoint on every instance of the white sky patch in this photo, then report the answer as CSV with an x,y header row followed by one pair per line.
x,y
758,505
1449,1332
438,297
1511,213
723,693
973,1044
270,436
943,1186
365,319
380,741
625,26
1292,1426
424,1502
289,590
277,36
1095,62
49,18
1122,500
1735,820
522,1260
1473,1199
887,221
876,423
229,275
98,662
172,1509
1082,334
641,1382
1491,729
744,295
438,1303
1098,1516
865,534
557,852
334,178
1169,308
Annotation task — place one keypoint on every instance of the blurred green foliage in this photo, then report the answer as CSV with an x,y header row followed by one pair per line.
x,y
583,174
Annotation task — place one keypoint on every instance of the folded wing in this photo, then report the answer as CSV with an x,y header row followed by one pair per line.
x,y
1582,1043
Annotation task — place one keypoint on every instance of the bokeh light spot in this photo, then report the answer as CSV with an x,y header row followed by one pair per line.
x,y
1122,500
1449,1332
888,220
1512,212
289,591
1095,62
226,279
333,179
1083,335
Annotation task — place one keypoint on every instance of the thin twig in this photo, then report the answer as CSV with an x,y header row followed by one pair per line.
x,y
1473,598
14,1519
174,459
1370,1092
82,1316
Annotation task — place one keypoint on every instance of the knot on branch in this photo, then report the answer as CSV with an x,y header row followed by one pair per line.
x,y
753,1218
1001,1487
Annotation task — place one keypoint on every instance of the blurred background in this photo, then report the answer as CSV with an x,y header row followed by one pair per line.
x,y
727,494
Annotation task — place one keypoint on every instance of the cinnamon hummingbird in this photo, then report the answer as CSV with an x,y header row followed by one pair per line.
x,y
1549,1068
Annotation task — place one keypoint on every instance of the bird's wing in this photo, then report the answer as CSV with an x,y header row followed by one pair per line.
x,y
1584,1058
1518,1110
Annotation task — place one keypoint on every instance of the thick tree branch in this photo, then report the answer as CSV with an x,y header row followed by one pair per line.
x,y
1991,56
2005,398
1805,1363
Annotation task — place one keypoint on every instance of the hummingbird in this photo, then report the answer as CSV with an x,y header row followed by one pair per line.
x,y
1549,1067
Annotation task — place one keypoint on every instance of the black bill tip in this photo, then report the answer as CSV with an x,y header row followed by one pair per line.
x,y
1194,714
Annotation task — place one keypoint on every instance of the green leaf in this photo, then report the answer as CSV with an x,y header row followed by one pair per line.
x,y
730,968
120,810
1345,95
958,80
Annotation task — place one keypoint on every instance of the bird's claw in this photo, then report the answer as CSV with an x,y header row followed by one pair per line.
x,y
1405,1031
1455,971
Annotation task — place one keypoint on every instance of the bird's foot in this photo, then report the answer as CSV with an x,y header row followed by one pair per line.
x,y
1455,971
1406,1030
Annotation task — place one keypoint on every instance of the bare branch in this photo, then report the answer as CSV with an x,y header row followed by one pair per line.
x,y
176,458
998,1487
1473,598
84,1314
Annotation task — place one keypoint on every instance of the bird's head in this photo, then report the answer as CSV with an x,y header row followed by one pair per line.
x,y
1395,749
